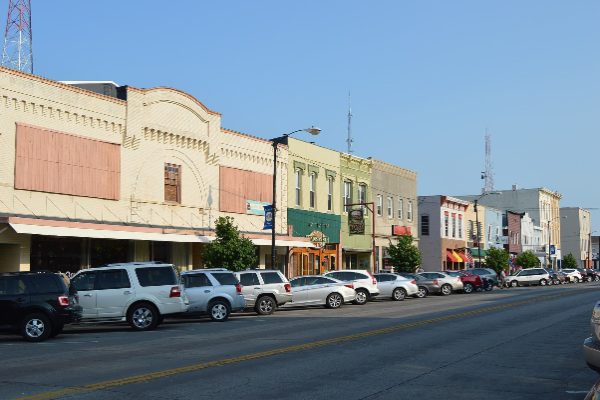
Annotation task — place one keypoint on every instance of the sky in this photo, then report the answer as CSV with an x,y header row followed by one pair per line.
x,y
426,78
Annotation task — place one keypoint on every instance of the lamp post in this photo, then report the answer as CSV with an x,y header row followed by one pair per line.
x,y
276,142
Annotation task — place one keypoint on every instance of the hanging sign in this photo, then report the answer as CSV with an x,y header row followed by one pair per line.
x,y
318,239
356,222
268,217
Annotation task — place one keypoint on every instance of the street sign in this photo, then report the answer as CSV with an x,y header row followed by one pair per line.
x,y
356,222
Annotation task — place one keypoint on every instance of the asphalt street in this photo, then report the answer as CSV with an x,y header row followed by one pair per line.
x,y
520,343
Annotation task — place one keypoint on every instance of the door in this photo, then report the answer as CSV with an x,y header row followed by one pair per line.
x,y
199,290
85,282
298,285
304,294
13,296
250,287
114,293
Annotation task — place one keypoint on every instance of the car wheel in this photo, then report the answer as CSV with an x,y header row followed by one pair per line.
x,y
143,317
446,289
468,288
265,305
399,294
361,297
550,282
575,279
422,292
514,284
36,327
218,311
596,278
543,282
334,300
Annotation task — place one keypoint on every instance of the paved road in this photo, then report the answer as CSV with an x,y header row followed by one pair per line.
x,y
521,343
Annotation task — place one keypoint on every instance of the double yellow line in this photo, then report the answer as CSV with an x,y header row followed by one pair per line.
x,y
263,354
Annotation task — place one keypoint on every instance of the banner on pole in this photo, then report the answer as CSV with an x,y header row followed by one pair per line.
x,y
268,217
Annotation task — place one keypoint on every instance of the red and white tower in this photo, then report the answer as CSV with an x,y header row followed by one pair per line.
x,y
17,52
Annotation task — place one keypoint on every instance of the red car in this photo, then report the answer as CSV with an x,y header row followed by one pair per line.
x,y
470,281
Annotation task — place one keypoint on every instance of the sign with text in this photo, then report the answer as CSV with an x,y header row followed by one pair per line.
x,y
318,239
356,222
256,207
268,217
399,230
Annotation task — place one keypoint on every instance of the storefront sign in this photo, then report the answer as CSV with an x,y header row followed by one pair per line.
x,y
398,230
318,239
356,222
256,207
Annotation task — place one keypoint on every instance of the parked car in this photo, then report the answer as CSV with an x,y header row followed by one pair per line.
x,y
557,277
448,284
486,273
312,290
425,286
573,274
527,277
591,345
395,286
141,293
470,281
364,283
264,290
37,305
215,292
589,274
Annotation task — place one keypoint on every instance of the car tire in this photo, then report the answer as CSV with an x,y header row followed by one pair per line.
x,y
265,305
550,282
334,300
362,297
422,292
543,282
36,327
143,317
399,294
446,290
575,279
468,288
219,310
514,283
596,278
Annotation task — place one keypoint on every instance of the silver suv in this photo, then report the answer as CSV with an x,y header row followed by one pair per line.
x,y
216,292
264,290
364,283
141,293
529,276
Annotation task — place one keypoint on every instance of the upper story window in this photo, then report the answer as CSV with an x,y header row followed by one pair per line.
x,y
446,224
379,204
390,207
330,193
401,209
173,183
313,190
362,194
453,225
460,226
298,177
425,225
347,195
409,211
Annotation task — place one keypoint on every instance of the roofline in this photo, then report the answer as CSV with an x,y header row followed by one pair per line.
x,y
181,92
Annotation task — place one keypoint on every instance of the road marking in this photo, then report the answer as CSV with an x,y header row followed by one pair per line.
x,y
269,353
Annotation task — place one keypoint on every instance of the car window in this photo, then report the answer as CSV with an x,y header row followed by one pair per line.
x,y
113,279
12,285
225,278
455,274
297,282
322,280
384,278
249,279
196,280
336,275
311,280
84,281
48,283
156,276
271,277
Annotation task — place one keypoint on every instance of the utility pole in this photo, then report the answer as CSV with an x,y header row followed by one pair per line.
x,y
17,52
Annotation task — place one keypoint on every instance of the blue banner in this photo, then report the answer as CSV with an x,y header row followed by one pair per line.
x,y
268,217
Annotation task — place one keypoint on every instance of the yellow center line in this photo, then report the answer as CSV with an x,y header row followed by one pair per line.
x,y
269,353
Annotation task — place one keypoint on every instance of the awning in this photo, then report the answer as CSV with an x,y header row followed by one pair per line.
x,y
457,256
465,255
475,252
451,256
107,234
282,243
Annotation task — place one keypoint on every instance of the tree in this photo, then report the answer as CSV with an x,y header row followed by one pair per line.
x,y
229,250
404,255
569,261
527,259
497,259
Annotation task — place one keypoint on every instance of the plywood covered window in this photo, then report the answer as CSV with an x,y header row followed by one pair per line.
x,y
173,183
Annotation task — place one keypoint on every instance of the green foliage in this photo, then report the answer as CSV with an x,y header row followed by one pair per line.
x,y
405,256
569,261
497,259
229,250
527,259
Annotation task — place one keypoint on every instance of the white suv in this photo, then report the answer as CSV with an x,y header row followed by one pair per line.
x,y
528,276
264,289
216,292
141,293
364,283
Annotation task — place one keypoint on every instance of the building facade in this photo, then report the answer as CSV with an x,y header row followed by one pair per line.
x,y
575,235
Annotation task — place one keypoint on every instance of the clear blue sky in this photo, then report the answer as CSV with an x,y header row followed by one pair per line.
x,y
427,77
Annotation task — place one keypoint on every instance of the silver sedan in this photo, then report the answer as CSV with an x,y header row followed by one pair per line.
x,y
448,284
395,286
312,290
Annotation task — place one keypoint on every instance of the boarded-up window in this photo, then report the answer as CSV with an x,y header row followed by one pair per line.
x,y
173,183
237,187
55,162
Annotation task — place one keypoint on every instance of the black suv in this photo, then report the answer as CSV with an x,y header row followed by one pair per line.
x,y
37,304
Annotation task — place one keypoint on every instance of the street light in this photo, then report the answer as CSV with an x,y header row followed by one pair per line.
x,y
276,142
477,221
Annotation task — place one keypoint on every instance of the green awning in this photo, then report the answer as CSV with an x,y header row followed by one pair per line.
x,y
475,252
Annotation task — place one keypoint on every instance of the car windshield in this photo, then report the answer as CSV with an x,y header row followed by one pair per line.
x,y
455,274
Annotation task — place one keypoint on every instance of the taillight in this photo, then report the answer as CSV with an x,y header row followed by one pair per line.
x,y
435,282
373,278
414,282
63,301
175,292
349,285
288,287
238,288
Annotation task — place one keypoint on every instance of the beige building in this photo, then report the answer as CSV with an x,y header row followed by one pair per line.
x,y
88,178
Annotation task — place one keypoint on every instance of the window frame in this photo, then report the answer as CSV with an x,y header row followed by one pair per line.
x,y
379,205
329,193
298,188
172,178
390,207
400,209
312,190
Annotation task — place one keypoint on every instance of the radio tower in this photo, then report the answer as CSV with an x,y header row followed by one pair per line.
x,y
488,174
17,52
349,140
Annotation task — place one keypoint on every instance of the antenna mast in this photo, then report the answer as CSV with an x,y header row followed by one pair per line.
x,y
349,140
488,174
17,52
